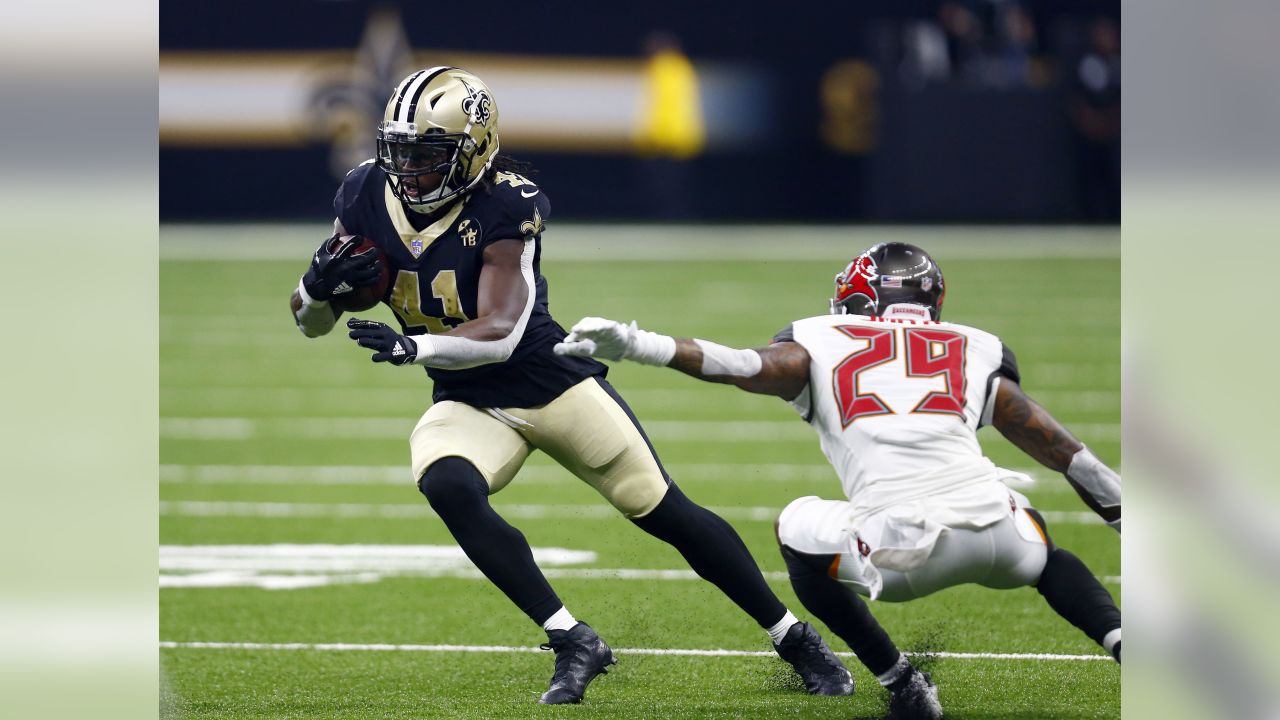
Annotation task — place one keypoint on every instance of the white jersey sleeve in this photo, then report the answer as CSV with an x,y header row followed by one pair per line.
x,y
897,402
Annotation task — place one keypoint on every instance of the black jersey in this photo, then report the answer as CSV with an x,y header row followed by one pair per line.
x,y
436,274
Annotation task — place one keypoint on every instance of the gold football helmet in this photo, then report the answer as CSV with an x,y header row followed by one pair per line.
x,y
438,136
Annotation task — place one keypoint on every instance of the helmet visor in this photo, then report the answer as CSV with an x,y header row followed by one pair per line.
x,y
418,158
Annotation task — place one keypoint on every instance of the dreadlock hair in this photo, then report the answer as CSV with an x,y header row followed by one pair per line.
x,y
505,163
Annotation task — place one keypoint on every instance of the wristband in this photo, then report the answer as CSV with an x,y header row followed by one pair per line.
x,y
650,348
306,296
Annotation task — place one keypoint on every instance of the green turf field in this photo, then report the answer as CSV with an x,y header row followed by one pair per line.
x,y
268,438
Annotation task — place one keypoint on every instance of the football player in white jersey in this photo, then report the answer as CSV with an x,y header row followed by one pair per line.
x,y
896,397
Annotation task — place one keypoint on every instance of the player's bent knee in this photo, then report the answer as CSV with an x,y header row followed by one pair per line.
x,y
636,496
791,527
451,481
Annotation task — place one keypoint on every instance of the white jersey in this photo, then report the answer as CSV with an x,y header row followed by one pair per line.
x,y
897,402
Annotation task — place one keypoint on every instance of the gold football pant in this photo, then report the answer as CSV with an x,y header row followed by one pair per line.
x,y
586,430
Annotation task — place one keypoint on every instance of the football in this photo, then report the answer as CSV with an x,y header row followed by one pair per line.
x,y
366,297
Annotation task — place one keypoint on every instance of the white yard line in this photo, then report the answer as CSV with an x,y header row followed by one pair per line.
x,y
328,428
384,428
291,566
646,574
401,475
178,474
1042,482
380,647
230,399
214,508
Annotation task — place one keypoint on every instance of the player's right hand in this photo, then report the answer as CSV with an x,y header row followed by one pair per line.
x,y
598,337
334,270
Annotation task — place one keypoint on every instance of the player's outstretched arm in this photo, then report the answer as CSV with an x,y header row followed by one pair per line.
x,y
1037,433
781,369
504,302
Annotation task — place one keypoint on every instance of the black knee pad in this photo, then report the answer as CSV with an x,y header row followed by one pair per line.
x,y
450,481
1044,527
803,564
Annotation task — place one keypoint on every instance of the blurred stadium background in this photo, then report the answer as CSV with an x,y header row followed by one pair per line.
x,y
710,165
992,111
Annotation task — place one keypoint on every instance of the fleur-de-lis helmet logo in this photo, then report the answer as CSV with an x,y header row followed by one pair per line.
x,y
476,104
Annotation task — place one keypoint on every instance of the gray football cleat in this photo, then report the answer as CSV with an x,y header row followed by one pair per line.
x,y
580,656
821,670
915,698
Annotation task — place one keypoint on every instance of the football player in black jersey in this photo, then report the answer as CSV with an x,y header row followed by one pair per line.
x,y
462,232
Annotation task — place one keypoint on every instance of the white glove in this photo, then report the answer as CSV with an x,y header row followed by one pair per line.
x,y
611,340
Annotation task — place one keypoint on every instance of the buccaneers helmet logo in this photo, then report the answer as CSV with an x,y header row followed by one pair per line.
x,y
856,280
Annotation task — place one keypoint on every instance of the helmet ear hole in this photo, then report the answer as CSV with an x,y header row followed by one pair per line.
x,y
859,305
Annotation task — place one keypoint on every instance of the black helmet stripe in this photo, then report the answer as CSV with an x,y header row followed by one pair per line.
x,y
413,91
407,84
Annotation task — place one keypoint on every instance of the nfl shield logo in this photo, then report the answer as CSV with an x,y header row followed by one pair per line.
x,y
416,247
926,284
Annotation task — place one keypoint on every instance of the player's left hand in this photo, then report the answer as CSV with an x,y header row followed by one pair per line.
x,y
598,337
392,347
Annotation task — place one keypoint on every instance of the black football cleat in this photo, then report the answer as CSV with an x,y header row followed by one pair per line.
x,y
580,656
915,697
821,670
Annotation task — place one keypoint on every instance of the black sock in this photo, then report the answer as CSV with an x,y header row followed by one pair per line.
x,y
460,496
842,609
1075,594
714,551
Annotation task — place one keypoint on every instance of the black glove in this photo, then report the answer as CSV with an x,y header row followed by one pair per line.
x,y
392,347
337,272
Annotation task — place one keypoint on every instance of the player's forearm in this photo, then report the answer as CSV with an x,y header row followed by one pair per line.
x,y
691,360
766,372
1034,430
506,298
1040,435
312,317
482,341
